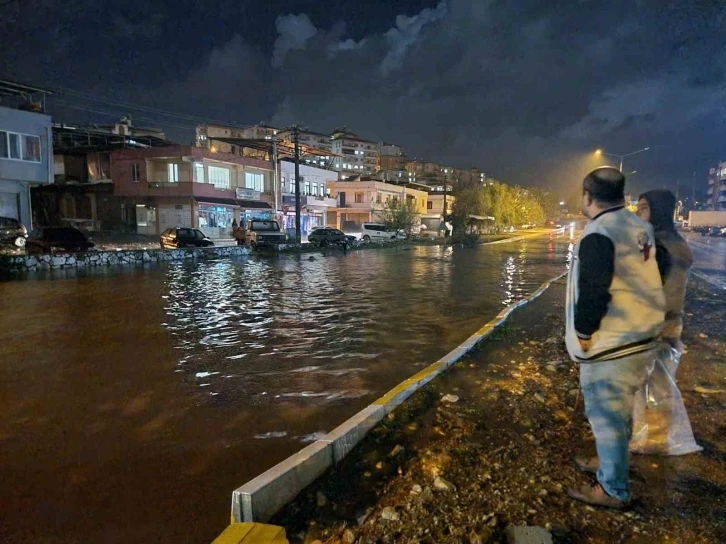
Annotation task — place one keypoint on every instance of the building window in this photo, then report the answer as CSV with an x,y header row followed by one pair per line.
x,y
307,188
429,205
19,146
31,148
255,181
199,172
173,172
378,198
359,198
219,177
135,173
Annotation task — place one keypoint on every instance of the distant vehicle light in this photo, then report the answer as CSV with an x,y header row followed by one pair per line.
x,y
572,225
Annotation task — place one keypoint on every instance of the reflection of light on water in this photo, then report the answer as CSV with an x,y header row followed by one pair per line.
x,y
570,253
509,270
326,331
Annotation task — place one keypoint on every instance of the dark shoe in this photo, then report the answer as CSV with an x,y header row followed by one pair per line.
x,y
595,495
587,464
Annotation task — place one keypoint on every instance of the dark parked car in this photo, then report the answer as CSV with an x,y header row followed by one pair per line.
x,y
12,232
184,237
324,236
57,240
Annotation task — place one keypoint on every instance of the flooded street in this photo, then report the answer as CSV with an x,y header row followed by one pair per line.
x,y
134,401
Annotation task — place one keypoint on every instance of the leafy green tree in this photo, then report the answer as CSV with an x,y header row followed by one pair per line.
x,y
399,215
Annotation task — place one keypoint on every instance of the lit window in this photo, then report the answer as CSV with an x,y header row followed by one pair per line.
x,y
173,172
199,172
255,181
219,177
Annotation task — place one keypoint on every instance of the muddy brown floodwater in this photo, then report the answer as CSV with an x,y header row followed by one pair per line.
x,y
134,401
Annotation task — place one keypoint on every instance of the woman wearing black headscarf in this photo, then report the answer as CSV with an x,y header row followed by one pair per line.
x,y
673,255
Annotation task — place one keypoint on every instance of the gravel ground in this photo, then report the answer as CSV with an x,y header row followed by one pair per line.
x,y
501,455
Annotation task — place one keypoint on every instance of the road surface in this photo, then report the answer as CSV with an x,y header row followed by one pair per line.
x,y
709,258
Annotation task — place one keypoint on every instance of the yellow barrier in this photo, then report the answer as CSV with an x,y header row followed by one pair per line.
x,y
252,533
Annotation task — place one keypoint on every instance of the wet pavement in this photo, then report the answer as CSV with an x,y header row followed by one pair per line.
x,y
135,400
709,256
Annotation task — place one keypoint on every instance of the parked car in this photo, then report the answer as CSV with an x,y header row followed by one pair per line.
x,y
264,232
12,232
376,232
324,236
57,240
184,237
714,231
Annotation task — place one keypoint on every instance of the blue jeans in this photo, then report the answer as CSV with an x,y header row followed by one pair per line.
x,y
608,388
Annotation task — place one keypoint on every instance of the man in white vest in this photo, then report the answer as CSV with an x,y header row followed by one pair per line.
x,y
615,312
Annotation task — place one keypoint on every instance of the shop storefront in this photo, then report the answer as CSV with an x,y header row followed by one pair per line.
x,y
251,207
215,220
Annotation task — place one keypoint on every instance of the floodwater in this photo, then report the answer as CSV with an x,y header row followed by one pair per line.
x,y
135,400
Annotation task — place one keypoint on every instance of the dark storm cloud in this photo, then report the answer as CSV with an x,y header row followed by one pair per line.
x,y
522,88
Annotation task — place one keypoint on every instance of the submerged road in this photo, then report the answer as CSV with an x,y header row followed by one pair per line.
x,y
135,400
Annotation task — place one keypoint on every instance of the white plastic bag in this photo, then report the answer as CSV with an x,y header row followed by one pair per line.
x,y
660,421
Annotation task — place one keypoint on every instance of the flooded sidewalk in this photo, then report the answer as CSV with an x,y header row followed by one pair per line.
x,y
489,446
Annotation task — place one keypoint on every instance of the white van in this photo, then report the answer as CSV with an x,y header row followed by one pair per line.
x,y
376,232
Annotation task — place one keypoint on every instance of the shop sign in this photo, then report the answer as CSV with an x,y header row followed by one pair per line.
x,y
247,194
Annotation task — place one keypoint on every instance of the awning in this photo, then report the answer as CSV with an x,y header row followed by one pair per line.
x,y
253,205
217,201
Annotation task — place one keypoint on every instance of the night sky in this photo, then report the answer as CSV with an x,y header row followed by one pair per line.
x,y
524,89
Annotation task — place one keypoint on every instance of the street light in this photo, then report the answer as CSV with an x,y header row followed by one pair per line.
x,y
621,157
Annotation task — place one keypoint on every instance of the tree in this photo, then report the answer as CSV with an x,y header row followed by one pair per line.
x,y
468,202
398,215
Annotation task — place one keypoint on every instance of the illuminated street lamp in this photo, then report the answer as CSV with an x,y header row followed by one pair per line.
x,y
621,157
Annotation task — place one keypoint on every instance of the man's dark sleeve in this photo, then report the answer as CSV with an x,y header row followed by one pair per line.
x,y
663,258
597,266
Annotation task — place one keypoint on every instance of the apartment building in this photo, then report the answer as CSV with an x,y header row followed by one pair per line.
x,y
315,200
716,199
26,150
192,187
353,155
363,201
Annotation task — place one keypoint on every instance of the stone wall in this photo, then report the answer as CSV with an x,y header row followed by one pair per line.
x,y
112,258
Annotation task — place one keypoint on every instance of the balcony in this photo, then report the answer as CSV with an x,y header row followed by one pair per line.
x,y
710,191
178,189
311,201
722,198
712,180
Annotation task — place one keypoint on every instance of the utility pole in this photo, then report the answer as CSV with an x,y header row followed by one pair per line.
x,y
446,183
296,141
275,166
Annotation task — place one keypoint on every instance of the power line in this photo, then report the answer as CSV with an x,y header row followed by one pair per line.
x,y
147,109
116,115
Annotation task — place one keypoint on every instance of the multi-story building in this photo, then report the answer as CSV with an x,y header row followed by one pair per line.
x,y
26,150
82,192
191,187
352,154
363,201
716,199
434,217
212,137
315,200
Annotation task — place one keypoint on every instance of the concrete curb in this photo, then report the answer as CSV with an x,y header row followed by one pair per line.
x,y
264,496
